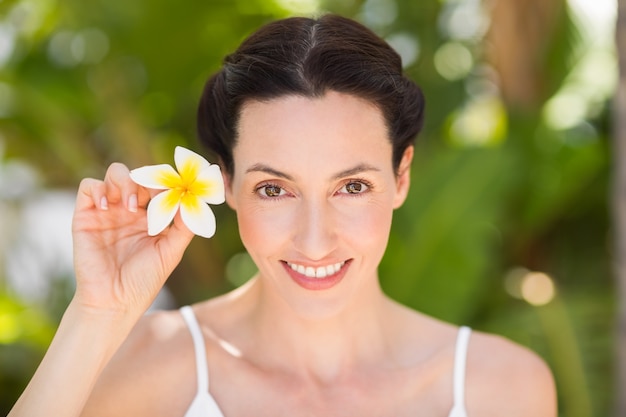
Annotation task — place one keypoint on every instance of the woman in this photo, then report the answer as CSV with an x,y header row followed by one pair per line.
x,y
313,123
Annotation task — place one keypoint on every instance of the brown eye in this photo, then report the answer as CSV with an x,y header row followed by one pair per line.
x,y
355,187
271,191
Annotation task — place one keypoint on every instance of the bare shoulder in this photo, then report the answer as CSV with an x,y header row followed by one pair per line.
x,y
156,358
504,378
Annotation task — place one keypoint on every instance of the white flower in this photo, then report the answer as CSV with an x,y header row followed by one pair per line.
x,y
196,184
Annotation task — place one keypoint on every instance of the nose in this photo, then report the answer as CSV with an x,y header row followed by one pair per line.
x,y
316,233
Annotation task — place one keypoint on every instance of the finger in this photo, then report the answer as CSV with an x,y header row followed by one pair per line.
x,y
182,234
122,189
176,240
91,193
117,180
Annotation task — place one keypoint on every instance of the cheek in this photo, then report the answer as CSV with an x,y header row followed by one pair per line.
x,y
371,224
263,228
366,225
362,226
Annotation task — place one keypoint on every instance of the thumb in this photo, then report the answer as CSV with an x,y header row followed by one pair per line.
x,y
175,241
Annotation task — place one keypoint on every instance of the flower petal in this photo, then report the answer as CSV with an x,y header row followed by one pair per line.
x,y
188,163
161,210
197,216
209,185
158,177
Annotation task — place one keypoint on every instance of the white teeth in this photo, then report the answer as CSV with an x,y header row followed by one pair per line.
x,y
319,272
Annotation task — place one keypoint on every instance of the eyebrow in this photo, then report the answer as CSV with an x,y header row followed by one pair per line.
x,y
342,174
268,170
356,170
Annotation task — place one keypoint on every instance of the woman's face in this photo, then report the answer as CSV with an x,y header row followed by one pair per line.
x,y
314,190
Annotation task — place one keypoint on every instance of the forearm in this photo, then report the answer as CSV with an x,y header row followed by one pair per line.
x,y
83,345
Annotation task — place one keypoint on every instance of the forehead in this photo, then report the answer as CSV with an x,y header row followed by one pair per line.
x,y
333,127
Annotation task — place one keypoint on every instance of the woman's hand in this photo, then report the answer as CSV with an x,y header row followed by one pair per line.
x,y
119,267
119,271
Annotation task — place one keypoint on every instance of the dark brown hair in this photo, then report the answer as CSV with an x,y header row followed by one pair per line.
x,y
307,57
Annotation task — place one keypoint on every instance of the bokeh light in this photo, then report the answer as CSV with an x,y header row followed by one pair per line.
x,y
536,288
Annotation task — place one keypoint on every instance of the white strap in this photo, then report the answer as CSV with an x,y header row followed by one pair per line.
x,y
202,369
460,359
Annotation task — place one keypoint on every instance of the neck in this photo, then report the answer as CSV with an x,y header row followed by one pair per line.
x,y
329,346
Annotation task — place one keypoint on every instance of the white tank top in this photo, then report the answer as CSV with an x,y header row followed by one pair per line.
x,y
204,405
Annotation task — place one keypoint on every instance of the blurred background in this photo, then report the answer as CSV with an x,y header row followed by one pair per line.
x,y
507,226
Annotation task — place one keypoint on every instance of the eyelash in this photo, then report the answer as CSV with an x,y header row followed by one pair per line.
x,y
258,191
367,184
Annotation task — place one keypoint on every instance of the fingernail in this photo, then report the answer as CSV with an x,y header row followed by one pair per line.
x,y
132,203
104,204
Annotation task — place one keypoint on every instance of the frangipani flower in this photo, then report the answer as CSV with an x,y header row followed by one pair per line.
x,y
196,183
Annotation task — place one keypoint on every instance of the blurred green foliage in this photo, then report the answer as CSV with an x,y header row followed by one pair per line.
x,y
498,191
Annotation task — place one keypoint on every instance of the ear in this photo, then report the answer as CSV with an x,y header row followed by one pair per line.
x,y
228,190
403,179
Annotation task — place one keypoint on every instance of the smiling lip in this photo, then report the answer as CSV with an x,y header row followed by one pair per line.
x,y
317,280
